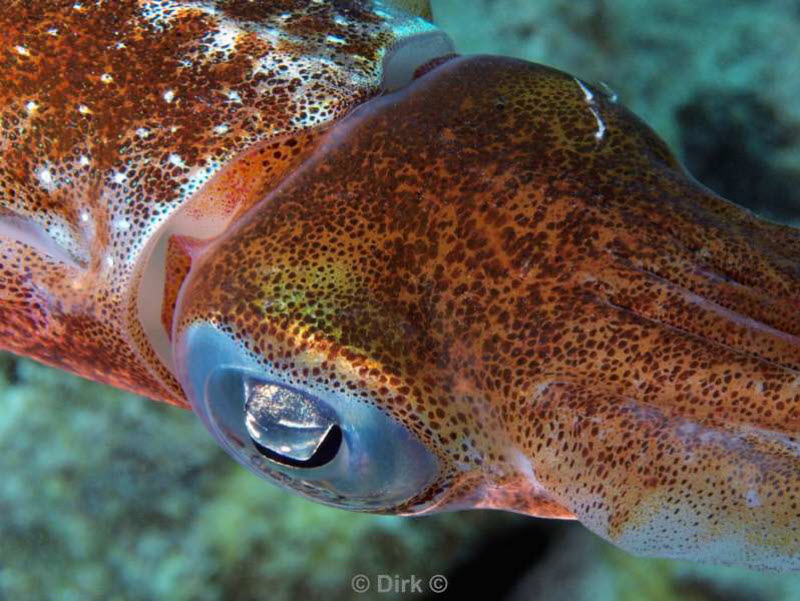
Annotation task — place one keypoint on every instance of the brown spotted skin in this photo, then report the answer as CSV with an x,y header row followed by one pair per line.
x,y
116,116
518,270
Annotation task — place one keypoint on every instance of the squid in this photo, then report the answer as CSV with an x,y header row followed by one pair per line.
x,y
397,280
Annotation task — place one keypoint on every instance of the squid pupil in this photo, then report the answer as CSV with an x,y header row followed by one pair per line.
x,y
323,454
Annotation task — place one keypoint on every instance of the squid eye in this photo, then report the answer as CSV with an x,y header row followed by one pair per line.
x,y
326,444
288,427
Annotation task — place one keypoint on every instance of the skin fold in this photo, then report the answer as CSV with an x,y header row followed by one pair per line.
x,y
499,258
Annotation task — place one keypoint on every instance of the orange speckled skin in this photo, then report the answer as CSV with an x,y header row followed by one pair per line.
x,y
501,259
115,116
519,271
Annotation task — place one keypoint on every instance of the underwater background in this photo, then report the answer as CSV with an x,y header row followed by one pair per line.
x,y
107,496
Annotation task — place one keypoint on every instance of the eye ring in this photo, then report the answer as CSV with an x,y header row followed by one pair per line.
x,y
325,444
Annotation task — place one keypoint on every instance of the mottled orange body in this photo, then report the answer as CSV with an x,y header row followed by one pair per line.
x,y
496,273
118,115
531,283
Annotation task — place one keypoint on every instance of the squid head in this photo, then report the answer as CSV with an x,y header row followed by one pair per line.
x,y
495,287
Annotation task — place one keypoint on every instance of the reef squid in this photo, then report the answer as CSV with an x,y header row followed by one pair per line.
x,y
398,280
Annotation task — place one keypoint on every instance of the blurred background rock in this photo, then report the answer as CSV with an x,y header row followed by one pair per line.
x,y
106,496
718,79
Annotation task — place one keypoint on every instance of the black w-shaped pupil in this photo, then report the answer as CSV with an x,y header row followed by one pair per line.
x,y
324,454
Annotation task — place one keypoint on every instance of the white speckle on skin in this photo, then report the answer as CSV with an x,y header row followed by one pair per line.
x,y
84,110
176,160
590,100
224,39
335,39
169,96
122,224
524,465
32,106
601,125
119,178
21,50
46,179
612,95
85,217
233,96
142,132
106,78
52,31
752,498
587,93
221,129
541,389
688,428
83,160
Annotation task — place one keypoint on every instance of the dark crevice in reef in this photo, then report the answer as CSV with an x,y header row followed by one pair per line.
x,y
9,371
701,589
729,142
497,565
